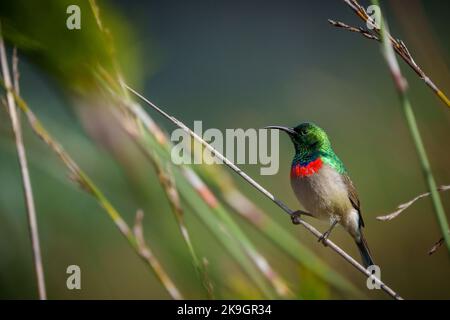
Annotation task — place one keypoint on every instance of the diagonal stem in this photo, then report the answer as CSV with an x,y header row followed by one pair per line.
x,y
398,45
264,191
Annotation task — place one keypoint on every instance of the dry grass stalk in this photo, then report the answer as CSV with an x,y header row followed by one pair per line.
x,y
398,45
436,246
148,255
406,205
21,153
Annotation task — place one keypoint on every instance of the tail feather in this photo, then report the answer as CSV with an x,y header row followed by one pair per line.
x,y
364,251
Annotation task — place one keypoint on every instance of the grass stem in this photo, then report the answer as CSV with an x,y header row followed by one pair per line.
x,y
402,87
26,181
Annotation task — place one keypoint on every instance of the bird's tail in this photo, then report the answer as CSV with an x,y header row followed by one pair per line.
x,y
364,251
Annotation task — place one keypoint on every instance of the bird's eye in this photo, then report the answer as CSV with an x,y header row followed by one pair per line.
x,y
303,132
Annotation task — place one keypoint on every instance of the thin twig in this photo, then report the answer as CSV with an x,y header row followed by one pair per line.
x,y
406,205
436,246
252,182
26,181
398,45
402,87
360,30
145,251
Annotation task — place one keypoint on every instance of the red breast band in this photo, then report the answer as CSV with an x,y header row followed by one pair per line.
x,y
312,167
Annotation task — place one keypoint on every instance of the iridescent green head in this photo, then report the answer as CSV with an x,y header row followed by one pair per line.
x,y
311,142
307,138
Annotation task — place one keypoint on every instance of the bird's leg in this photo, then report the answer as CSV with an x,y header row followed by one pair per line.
x,y
326,234
295,216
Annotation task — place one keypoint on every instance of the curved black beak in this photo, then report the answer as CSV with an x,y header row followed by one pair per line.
x,y
285,129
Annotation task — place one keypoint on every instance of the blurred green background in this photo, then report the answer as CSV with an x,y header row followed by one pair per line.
x,y
232,64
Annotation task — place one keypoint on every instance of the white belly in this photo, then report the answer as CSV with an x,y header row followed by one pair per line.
x,y
323,194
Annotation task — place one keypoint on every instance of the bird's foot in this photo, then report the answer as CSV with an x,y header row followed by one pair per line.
x,y
324,237
295,216
326,234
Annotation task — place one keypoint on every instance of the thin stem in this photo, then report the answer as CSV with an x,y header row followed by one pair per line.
x,y
436,246
402,87
426,169
398,45
283,206
402,207
26,181
145,251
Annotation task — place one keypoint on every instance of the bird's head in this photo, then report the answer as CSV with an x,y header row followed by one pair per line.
x,y
306,137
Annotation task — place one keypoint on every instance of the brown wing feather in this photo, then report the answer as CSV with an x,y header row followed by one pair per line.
x,y
353,196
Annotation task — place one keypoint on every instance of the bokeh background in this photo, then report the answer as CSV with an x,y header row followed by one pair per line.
x,y
231,64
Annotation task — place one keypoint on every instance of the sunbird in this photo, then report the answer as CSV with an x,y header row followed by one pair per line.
x,y
322,185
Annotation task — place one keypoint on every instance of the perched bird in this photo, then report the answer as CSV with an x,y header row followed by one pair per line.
x,y
322,185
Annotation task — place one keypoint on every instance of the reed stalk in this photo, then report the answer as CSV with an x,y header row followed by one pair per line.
x,y
23,163
401,86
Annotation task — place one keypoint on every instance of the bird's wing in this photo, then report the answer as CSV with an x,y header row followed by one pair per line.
x,y
353,196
